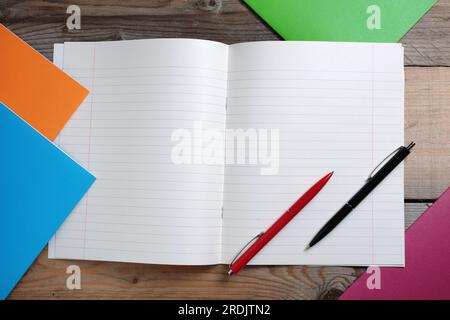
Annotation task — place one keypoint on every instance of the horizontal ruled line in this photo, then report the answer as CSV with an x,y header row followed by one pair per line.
x,y
153,198
147,224
137,242
152,216
313,79
151,76
133,250
316,71
145,67
315,97
153,207
94,94
311,88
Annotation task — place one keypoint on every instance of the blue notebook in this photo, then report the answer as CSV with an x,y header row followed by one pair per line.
x,y
39,186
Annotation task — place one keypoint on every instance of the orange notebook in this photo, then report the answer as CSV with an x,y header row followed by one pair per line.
x,y
35,88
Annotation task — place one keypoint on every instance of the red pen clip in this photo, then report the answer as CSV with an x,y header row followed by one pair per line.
x,y
243,249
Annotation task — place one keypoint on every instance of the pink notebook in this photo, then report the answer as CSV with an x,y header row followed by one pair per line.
x,y
427,267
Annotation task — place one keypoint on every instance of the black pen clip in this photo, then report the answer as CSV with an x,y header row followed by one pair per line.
x,y
409,147
245,247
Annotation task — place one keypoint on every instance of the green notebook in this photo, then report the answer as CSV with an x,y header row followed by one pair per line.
x,y
341,20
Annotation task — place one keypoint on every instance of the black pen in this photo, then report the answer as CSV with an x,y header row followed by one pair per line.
x,y
372,182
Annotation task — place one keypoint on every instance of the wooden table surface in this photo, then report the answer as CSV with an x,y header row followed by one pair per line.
x,y
42,23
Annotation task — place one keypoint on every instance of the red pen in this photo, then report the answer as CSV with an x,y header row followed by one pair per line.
x,y
264,237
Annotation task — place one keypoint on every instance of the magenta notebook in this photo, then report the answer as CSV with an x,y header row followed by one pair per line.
x,y
427,273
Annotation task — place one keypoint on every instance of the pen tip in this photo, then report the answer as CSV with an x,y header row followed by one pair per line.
x,y
328,176
230,272
307,247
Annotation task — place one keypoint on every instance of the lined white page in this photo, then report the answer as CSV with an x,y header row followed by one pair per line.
x,y
339,107
143,208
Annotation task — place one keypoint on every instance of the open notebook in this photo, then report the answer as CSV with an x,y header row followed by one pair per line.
x,y
336,106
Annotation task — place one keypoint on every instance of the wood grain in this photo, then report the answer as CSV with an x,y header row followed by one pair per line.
x,y
428,43
414,211
427,122
46,279
42,23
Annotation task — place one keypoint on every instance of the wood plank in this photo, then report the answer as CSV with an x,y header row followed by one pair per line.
x,y
46,279
427,122
42,23
413,211
428,43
